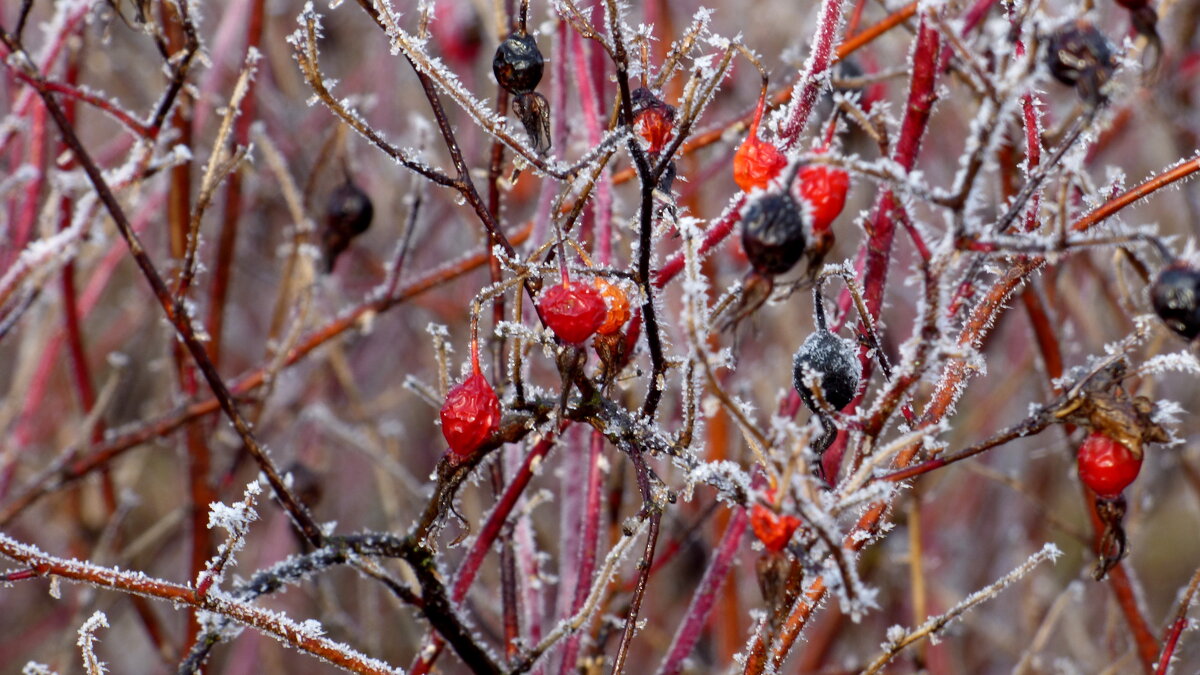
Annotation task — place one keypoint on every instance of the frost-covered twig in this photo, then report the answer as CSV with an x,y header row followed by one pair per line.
x,y
898,638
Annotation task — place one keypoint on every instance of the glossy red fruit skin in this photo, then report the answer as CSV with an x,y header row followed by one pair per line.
x,y
756,163
772,529
824,188
655,126
574,310
1106,466
470,414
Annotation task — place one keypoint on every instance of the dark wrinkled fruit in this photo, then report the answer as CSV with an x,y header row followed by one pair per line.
x,y
518,63
347,215
1175,295
773,234
835,359
1080,56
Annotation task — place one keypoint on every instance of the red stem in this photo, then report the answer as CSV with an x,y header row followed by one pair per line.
x,y
692,626
586,559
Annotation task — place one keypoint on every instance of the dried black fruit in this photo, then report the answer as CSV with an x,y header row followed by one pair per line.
x,y
1080,56
773,233
518,63
1175,295
836,359
347,215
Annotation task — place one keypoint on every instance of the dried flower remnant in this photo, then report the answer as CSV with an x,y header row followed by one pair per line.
x,y
1079,55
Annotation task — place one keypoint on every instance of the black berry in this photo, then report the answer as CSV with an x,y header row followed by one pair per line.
x,y
518,63
1175,295
836,360
1080,56
347,215
773,233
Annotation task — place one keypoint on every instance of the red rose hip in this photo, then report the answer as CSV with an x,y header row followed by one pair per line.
x,y
1106,466
573,310
824,188
772,529
757,162
470,414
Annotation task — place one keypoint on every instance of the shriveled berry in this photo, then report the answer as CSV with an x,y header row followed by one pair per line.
x,y
518,63
1175,295
824,188
772,529
773,234
756,163
653,120
347,215
1080,56
836,360
1106,466
470,414
618,307
573,310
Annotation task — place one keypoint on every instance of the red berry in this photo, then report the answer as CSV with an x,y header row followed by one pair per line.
x,y
824,188
756,162
573,310
1133,4
1106,466
470,414
772,529
618,307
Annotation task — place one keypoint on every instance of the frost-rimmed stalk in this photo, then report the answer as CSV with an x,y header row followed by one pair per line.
x,y
482,544
183,326
585,557
348,320
692,625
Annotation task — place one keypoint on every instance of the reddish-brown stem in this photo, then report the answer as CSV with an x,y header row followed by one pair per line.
x,y
1150,185
588,541
846,48
231,213
467,571
692,626
140,584
115,447
1175,630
